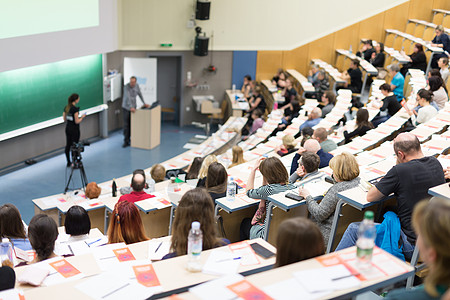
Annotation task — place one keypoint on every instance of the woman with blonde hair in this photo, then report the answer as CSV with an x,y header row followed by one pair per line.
x,y
238,156
195,205
298,239
288,145
275,180
204,169
126,224
431,221
345,173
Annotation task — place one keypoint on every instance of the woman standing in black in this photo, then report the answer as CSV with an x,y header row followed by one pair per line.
x,y
72,120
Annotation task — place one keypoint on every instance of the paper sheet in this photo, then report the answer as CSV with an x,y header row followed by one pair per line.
x,y
217,289
155,251
221,262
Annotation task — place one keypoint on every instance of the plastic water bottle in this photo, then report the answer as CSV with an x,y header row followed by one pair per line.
x,y
366,240
231,189
151,185
173,186
350,49
195,245
6,251
114,188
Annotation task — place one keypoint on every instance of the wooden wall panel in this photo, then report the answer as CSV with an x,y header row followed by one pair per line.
x,y
420,9
297,59
323,48
372,28
346,37
397,17
442,4
267,63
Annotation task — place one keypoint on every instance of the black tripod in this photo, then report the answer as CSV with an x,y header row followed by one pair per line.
x,y
77,165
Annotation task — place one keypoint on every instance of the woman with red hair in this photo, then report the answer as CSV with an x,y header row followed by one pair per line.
x,y
126,224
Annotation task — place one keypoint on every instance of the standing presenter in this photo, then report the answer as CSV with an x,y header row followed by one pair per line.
x,y
130,92
72,119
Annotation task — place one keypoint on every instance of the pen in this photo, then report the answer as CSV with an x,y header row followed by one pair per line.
x,y
346,276
89,244
157,248
227,259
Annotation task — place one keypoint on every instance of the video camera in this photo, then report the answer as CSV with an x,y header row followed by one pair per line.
x,y
76,150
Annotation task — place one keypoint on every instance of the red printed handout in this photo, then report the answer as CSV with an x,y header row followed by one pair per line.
x,y
146,275
124,254
64,268
248,291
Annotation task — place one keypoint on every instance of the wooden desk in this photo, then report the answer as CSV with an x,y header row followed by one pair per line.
x,y
441,191
263,280
237,107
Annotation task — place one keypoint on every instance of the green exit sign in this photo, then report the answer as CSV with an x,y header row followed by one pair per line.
x,y
166,45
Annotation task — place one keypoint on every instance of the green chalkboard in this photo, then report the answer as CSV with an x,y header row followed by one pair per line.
x,y
39,93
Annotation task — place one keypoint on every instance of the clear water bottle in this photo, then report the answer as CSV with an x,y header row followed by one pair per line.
x,y
6,251
231,189
350,49
195,245
366,240
151,185
173,185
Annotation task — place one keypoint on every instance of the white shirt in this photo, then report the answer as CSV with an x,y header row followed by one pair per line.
x,y
425,114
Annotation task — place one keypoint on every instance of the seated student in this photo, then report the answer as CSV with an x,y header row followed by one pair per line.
x,y
389,106
93,191
354,75
280,79
254,122
426,110
345,173
194,168
431,221
289,93
238,156
313,73
290,112
77,223
441,40
257,101
397,81
195,205
158,173
288,145
126,224
377,59
314,118
7,276
443,66
308,168
311,146
216,181
321,85
362,125
307,133
12,227
138,193
417,60
275,180
321,135
437,87
403,181
42,233
367,50
204,169
276,77
298,239
328,102
246,87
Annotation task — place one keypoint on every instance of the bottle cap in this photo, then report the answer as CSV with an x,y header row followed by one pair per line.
x,y
172,179
195,225
5,240
368,215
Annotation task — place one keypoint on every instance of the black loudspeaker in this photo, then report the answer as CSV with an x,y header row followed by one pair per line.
x,y
202,10
201,45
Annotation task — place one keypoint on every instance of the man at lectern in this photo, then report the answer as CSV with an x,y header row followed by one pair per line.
x,y
130,92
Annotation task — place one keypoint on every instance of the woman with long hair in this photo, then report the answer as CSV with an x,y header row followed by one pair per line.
x,y
195,205
362,125
298,239
437,87
238,156
126,224
204,169
216,181
194,168
43,233
11,227
73,120
431,221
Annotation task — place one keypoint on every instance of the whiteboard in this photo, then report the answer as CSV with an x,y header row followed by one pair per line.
x,y
144,69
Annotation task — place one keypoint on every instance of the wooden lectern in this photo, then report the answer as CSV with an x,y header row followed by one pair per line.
x,y
146,128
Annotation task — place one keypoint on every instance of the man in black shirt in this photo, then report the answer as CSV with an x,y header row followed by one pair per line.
x,y
409,180
353,74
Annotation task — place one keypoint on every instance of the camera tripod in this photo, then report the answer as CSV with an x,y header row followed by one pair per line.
x,y
77,165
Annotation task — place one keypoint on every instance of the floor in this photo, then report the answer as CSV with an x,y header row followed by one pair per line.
x,y
102,160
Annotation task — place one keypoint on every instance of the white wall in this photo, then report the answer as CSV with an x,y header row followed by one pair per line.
x,y
240,24
44,48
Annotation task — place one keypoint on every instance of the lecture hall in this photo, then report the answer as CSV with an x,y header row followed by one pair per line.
x,y
169,150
